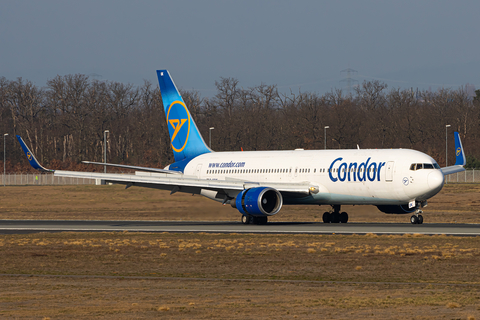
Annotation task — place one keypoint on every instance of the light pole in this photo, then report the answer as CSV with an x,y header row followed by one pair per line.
x,y
4,156
105,150
210,137
446,148
325,134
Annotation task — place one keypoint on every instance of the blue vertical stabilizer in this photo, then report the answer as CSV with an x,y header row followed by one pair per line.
x,y
186,140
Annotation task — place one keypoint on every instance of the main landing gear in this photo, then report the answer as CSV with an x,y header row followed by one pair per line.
x,y
335,216
247,219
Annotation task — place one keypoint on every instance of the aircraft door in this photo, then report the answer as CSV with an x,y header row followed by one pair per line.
x,y
198,170
389,171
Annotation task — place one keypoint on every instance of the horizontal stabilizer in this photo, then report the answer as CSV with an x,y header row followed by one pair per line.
x,y
133,167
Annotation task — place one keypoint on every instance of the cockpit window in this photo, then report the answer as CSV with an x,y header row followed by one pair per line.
x,y
419,166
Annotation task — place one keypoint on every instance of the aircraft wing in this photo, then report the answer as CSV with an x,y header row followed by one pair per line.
x,y
183,183
163,179
460,158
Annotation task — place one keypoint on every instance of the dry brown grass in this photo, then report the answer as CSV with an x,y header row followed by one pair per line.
x,y
456,203
246,275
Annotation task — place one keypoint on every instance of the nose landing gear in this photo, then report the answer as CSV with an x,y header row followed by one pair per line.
x,y
417,218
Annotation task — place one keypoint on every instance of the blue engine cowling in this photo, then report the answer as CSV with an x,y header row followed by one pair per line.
x,y
261,201
396,209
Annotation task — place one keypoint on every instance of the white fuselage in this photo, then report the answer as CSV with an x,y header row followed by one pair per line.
x,y
357,176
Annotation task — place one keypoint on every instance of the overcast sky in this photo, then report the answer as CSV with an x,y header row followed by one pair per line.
x,y
294,44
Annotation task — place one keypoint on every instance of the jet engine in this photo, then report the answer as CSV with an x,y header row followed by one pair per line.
x,y
395,209
260,201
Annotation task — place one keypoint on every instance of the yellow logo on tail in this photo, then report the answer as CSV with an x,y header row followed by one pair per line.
x,y
177,125
177,117
458,151
29,156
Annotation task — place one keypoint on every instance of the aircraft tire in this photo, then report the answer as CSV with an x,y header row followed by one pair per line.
x,y
335,217
326,217
246,219
343,217
258,220
414,219
420,219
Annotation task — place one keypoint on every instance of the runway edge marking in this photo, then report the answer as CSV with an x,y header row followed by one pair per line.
x,y
232,231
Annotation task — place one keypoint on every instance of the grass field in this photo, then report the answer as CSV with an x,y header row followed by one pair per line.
x,y
203,276
237,276
456,203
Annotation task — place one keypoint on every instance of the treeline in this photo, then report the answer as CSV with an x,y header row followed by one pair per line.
x,y
64,122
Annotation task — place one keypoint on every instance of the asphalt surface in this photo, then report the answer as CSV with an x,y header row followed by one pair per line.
x,y
33,226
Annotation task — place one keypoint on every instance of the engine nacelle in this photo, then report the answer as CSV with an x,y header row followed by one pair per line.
x,y
261,201
396,209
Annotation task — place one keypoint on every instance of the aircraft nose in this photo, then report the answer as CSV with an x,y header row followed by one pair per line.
x,y
435,180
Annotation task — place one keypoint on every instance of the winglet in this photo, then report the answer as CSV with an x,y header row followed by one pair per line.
x,y
31,158
460,155
460,161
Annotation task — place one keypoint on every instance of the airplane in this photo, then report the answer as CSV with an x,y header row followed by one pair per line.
x,y
259,183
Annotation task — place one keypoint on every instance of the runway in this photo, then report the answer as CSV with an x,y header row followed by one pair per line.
x,y
33,226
